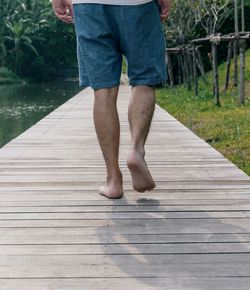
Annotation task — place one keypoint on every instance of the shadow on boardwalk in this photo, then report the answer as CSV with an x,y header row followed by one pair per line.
x,y
188,252
191,233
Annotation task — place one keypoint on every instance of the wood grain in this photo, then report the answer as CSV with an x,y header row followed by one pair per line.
x,y
191,233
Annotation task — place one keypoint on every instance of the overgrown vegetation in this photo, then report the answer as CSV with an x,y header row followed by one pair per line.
x,y
226,128
8,77
33,43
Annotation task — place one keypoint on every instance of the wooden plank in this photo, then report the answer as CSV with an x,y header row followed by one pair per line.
x,y
57,232
125,266
58,236
177,283
138,204
122,209
92,195
124,249
130,226
145,215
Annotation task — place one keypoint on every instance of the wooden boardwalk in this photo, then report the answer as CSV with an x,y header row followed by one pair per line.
x,y
56,232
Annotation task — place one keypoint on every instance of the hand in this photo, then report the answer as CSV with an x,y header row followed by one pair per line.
x,y
63,10
165,8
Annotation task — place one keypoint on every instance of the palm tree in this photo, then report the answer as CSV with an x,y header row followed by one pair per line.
x,y
3,53
20,40
3,50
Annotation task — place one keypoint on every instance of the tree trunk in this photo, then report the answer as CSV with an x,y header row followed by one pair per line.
x,y
170,69
236,28
236,63
215,73
196,88
242,72
200,64
243,28
229,56
186,69
190,64
184,76
236,17
179,73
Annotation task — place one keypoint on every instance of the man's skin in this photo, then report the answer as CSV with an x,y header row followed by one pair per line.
x,y
140,113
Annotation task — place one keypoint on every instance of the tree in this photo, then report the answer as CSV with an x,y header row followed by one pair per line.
x,y
181,22
211,14
20,41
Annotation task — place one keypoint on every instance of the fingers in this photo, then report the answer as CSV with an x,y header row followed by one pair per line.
x,y
165,9
65,18
164,16
63,12
71,11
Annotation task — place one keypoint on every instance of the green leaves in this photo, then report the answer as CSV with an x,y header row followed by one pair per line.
x,y
188,16
29,34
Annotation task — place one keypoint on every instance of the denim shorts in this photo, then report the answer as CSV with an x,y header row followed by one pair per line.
x,y
105,33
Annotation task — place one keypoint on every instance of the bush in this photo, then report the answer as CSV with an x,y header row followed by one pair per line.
x,y
34,43
8,77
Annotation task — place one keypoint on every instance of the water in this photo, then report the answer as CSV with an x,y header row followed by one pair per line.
x,y
21,106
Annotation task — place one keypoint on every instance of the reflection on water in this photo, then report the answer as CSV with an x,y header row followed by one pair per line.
x,y
21,106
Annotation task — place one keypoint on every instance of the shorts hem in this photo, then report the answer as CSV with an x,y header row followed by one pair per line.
x,y
98,86
84,85
105,85
148,82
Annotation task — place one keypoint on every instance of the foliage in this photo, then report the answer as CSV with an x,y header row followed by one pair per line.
x,y
225,128
181,23
211,14
8,77
33,43
198,18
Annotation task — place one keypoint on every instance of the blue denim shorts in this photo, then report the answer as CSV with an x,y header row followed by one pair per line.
x,y
105,33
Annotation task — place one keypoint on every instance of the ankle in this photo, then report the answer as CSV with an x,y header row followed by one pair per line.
x,y
114,177
138,150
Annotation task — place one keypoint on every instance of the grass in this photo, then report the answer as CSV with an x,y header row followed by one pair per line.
x,y
8,77
226,128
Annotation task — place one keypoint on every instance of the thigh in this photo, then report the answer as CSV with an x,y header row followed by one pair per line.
x,y
97,45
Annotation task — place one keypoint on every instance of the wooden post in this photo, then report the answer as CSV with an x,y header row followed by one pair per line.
x,y
182,56
243,28
236,28
186,69
170,69
236,17
242,57
190,64
179,77
196,88
242,72
200,64
229,56
215,73
236,63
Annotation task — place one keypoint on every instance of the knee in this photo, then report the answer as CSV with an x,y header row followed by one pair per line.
x,y
143,92
143,89
106,94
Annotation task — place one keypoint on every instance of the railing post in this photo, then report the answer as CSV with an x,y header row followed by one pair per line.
x,y
195,72
242,72
215,73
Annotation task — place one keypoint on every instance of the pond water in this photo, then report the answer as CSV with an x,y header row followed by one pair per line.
x,y
21,106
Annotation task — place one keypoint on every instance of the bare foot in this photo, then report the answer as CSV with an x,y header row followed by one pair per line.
x,y
141,177
112,190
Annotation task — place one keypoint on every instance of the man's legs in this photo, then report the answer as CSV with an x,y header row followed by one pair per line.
x,y
140,113
108,132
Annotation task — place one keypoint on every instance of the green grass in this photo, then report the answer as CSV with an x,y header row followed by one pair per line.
x,y
226,128
8,77
124,65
